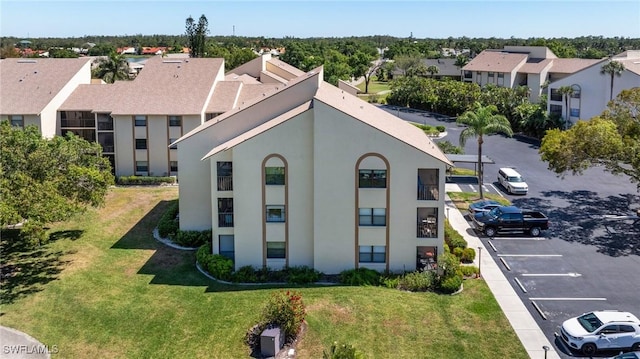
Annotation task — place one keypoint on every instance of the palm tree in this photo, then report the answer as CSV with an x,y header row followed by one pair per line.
x,y
566,92
432,70
480,121
112,68
612,68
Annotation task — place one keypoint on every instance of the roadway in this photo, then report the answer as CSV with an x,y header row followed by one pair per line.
x,y
588,260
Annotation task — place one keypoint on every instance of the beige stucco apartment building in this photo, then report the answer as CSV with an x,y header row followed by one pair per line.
x,y
592,89
311,175
33,89
514,66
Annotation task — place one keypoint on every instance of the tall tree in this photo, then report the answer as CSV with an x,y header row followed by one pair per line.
x,y
611,140
566,92
48,180
613,68
480,121
197,35
112,68
363,65
432,70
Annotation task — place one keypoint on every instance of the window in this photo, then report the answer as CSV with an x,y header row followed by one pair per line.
x,y
468,74
173,166
140,120
276,250
555,109
106,141
372,254
373,216
274,175
227,248
16,120
175,121
372,179
172,140
556,95
225,212
141,143
142,166
500,78
225,176
275,214
574,112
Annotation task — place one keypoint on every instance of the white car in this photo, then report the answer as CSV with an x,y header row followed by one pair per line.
x,y
512,181
609,330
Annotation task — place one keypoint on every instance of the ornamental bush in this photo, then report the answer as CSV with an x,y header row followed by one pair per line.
x,y
169,225
217,265
144,180
286,310
417,281
191,238
468,255
360,276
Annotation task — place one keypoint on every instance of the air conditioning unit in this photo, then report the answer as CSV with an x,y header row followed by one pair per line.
x,y
271,341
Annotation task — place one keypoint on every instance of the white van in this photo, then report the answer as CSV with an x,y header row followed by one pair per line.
x,y
512,181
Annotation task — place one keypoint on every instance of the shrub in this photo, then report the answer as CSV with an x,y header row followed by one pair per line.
x,y
417,281
169,225
144,180
360,276
390,281
469,271
302,275
440,128
284,309
245,274
217,265
468,255
457,251
452,237
192,238
341,351
449,264
451,284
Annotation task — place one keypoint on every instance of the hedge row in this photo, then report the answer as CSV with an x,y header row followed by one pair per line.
x,y
144,180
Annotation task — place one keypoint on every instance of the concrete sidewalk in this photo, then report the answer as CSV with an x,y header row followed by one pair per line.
x,y
18,345
526,328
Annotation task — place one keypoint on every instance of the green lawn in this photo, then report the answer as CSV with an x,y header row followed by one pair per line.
x,y
104,288
374,86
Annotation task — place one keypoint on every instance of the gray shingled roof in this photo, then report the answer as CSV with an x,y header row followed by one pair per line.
x,y
28,85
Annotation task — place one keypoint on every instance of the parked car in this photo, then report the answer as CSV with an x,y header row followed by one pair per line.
x,y
510,219
483,206
610,330
512,181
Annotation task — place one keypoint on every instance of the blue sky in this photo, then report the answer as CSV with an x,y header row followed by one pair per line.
x,y
318,18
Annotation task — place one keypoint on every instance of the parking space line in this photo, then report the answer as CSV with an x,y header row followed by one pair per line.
x,y
505,264
535,305
551,275
496,189
492,247
529,255
571,299
520,285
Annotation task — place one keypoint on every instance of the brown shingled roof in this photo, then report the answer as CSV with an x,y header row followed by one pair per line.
x,y
93,97
569,66
173,86
495,61
28,85
291,70
534,66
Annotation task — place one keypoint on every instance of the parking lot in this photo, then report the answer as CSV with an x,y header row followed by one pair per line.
x,y
588,260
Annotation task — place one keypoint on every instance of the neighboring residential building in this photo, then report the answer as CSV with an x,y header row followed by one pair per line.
x,y
280,181
592,89
136,121
34,88
446,69
514,66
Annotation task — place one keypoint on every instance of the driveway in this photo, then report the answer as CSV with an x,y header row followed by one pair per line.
x,y
590,257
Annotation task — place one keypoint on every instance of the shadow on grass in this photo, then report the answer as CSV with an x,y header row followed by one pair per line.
x,y
25,270
170,266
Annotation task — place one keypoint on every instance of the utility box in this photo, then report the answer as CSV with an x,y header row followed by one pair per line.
x,y
271,341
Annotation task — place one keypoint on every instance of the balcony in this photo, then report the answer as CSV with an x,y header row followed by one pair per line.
x,y
225,219
225,183
428,186
427,223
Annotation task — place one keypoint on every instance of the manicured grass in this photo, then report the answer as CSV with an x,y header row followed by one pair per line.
x,y
462,200
375,86
460,171
106,289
